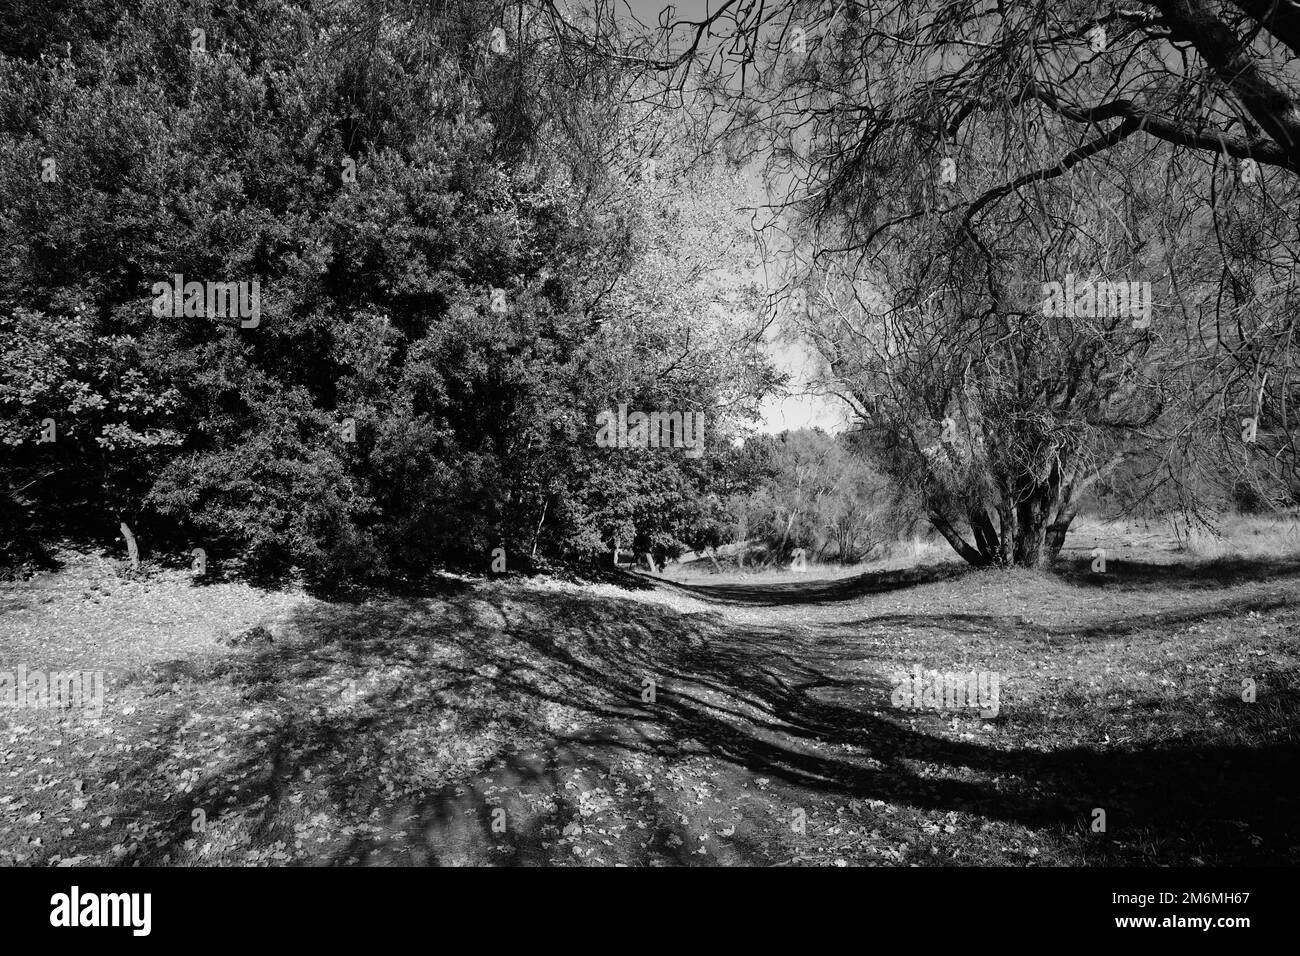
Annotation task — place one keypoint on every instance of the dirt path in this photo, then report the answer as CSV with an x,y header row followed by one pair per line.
x,y
514,723
771,739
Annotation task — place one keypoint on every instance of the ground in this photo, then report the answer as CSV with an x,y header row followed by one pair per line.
x,y
513,721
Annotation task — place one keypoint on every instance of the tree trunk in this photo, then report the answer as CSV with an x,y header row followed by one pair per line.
x,y
1024,539
986,536
780,551
959,544
1057,530
1031,531
538,533
132,549
1006,534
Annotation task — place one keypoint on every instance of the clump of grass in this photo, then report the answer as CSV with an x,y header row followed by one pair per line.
x,y
1247,536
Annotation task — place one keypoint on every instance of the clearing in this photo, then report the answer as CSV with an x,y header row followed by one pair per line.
x,y
510,721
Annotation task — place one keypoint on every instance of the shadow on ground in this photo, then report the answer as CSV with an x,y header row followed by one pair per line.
x,y
735,705
1198,575
814,591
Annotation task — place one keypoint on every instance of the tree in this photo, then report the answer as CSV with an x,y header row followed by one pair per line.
x,y
452,285
936,166
813,492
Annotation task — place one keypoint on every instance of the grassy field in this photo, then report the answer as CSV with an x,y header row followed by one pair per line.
x,y
513,721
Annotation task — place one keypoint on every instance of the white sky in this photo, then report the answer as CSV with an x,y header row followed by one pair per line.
x,y
800,411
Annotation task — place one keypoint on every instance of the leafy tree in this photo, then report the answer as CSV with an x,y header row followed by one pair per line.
x,y
819,494
451,288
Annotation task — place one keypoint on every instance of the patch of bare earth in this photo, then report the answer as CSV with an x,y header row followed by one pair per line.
x,y
536,722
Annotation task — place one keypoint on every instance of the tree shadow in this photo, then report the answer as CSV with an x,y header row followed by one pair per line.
x,y
1106,628
1199,575
751,701
819,592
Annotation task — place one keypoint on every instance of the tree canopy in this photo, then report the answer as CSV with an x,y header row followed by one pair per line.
x,y
461,257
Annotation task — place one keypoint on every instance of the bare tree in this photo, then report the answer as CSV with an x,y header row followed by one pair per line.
x,y
935,167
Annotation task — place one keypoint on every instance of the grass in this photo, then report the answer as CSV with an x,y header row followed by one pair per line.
x,y
511,721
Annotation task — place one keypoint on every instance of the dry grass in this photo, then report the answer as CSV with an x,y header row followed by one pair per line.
x,y
1232,536
904,553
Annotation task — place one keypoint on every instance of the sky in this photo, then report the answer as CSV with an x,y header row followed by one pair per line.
x,y
647,11
801,411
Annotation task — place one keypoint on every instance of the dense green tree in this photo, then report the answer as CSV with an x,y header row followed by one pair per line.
x,y
461,258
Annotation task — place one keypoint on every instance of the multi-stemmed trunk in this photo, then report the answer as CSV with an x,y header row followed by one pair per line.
x,y
1027,532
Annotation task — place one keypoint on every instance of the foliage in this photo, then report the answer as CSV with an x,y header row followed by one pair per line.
x,y
450,290
819,494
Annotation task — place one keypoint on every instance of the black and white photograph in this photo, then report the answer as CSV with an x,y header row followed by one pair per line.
x,y
781,434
